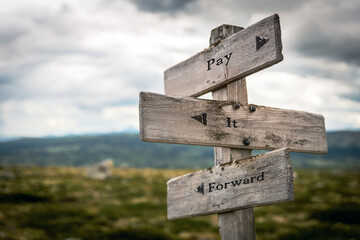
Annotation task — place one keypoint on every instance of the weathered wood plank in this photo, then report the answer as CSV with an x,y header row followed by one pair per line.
x,y
239,55
255,181
228,124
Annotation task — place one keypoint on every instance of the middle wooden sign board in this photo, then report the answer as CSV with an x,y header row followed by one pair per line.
x,y
227,124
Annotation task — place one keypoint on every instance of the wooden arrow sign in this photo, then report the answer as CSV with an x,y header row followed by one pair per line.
x,y
228,124
256,181
246,52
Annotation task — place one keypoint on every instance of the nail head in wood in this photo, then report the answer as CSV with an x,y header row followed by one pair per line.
x,y
252,108
237,105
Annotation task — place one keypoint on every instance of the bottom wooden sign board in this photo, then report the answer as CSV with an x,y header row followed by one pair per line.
x,y
256,181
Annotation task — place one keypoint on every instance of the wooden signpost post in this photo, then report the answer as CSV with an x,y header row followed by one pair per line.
x,y
238,181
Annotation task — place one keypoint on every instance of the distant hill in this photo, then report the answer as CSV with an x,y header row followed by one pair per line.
x,y
128,150
343,152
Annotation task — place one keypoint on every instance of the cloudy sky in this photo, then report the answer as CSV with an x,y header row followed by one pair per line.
x,y
76,67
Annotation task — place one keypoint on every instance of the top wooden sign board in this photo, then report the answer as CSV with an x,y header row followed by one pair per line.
x,y
246,52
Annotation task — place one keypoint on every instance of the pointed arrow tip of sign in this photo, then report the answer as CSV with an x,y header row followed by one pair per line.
x,y
200,118
200,189
260,41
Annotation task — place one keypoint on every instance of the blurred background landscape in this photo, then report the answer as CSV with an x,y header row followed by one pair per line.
x,y
70,76
47,193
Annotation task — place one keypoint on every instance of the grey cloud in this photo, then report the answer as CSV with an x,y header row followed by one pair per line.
x,y
65,8
266,6
98,107
243,6
336,46
354,96
306,68
9,35
5,78
162,6
332,34
6,81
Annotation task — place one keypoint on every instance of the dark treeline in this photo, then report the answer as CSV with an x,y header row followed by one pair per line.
x,y
128,150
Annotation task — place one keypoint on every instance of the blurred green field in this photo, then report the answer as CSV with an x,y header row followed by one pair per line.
x,y
61,203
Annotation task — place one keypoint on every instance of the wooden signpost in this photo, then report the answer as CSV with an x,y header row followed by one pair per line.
x,y
238,181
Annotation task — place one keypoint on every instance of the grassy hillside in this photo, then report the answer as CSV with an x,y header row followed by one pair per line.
x,y
128,150
60,203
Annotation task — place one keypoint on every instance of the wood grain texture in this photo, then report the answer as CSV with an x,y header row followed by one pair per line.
x,y
170,120
193,77
239,224
255,181
220,33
